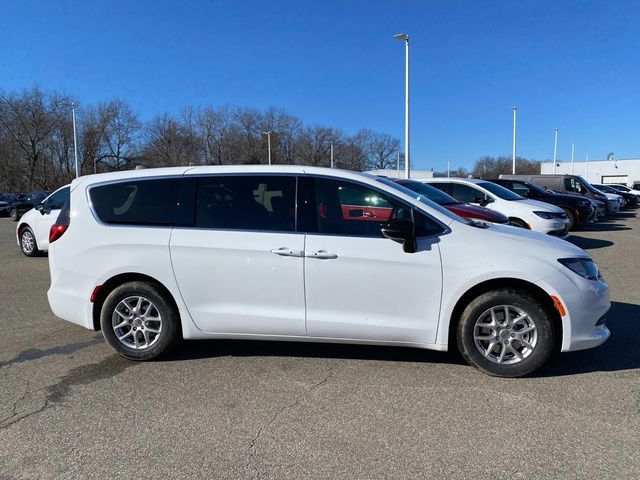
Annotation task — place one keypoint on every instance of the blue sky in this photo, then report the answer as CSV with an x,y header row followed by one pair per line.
x,y
567,64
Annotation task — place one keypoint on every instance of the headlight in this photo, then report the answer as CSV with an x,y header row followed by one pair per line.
x,y
546,215
585,267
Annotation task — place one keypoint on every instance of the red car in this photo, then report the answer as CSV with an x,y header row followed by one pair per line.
x,y
462,209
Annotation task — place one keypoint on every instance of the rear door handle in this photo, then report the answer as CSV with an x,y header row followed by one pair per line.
x,y
321,254
287,252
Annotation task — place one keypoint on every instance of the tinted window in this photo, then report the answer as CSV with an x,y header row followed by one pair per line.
x,y
573,185
466,193
500,191
138,202
58,199
428,191
520,189
345,208
247,202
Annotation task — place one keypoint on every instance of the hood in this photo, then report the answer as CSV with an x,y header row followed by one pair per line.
x,y
472,211
540,206
612,196
524,237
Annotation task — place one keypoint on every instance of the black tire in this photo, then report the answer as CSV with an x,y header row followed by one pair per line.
x,y
28,243
520,300
572,218
159,344
516,222
14,214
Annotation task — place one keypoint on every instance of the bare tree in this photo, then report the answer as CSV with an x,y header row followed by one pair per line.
x,y
382,151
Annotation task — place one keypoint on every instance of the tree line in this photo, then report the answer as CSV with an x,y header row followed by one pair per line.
x,y
36,139
37,148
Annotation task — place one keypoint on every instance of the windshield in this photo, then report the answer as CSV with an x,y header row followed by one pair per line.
x,y
432,193
500,191
421,198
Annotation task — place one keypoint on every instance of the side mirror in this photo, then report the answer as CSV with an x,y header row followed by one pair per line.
x,y
40,207
401,231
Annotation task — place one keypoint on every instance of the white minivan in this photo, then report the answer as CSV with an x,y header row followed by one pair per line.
x,y
317,255
522,212
32,232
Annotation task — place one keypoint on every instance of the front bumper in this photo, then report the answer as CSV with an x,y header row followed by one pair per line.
x,y
585,215
586,303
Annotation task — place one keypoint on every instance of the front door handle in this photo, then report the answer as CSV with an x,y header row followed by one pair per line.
x,y
321,254
287,252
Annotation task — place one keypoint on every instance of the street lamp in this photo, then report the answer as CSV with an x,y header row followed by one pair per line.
x,y
331,145
268,134
555,151
515,109
573,149
404,37
75,141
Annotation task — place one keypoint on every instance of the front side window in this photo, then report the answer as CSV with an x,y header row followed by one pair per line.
x,y
58,199
138,202
247,202
345,208
573,185
521,189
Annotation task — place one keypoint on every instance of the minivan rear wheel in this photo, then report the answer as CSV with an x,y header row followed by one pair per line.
x,y
138,321
506,333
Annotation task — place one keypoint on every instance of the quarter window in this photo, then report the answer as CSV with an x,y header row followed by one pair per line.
x,y
138,202
247,202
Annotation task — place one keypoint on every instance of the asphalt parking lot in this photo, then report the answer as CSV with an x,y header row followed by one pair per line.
x,y
70,407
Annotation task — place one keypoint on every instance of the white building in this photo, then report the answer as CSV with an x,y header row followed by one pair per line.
x,y
394,173
626,171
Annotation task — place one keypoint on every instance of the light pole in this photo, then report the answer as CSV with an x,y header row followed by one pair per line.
x,y
75,141
268,134
586,167
448,168
398,173
555,150
515,109
331,153
405,38
573,149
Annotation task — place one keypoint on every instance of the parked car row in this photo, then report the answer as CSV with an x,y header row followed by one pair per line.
x,y
294,253
15,205
527,201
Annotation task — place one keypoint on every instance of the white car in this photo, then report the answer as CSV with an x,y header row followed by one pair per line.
x,y
314,255
522,212
614,202
625,189
32,232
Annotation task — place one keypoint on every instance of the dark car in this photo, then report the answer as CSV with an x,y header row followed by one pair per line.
x,y
579,210
630,200
20,207
6,200
462,209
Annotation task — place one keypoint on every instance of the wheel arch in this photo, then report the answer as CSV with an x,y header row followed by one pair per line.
x,y
112,283
497,283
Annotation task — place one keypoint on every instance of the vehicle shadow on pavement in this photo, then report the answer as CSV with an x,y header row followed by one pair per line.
x,y
589,243
620,352
605,226
247,348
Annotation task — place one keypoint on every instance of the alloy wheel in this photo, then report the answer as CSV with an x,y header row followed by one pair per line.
x,y
27,242
137,322
505,334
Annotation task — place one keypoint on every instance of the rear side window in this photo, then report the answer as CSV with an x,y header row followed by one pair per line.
x,y
138,202
247,202
467,194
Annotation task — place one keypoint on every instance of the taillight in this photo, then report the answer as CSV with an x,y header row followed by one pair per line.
x,y
56,232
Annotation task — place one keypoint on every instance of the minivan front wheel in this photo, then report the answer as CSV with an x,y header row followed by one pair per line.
x,y
506,333
138,321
